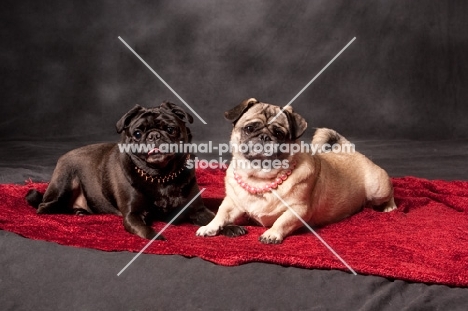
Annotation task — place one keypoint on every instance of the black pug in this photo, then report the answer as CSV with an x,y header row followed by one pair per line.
x,y
141,187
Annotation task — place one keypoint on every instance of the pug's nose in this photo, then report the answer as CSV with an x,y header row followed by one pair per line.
x,y
153,136
264,137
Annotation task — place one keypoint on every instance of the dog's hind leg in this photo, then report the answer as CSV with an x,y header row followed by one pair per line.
x,y
56,198
379,191
61,195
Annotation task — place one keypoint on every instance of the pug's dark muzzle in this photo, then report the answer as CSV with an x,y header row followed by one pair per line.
x,y
151,151
262,145
152,131
157,159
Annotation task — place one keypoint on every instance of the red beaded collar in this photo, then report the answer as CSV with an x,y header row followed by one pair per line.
x,y
267,188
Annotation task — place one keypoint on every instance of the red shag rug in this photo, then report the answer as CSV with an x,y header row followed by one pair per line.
x,y
424,240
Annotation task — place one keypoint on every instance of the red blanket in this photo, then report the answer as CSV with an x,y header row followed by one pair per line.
x,y
424,240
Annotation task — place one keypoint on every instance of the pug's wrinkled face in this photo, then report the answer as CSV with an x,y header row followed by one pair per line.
x,y
259,138
149,128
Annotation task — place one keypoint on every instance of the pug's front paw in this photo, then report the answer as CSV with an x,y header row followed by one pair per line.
x,y
207,231
232,231
271,237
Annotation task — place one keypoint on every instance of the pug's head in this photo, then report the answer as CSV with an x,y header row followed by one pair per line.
x,y
251,121
149,128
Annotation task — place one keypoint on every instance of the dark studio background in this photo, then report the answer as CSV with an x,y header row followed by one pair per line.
x,y
66,75
399,92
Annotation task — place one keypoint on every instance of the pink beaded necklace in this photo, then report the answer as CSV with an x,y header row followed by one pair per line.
x,y
267,188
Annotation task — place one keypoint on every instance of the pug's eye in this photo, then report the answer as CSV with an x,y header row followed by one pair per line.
x,y
279,134
170,129
137,134
249,129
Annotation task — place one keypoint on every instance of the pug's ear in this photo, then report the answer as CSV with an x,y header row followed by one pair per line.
x,y
235,113
124,122
176,110
297,124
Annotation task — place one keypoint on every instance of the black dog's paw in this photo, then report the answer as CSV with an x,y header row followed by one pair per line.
x,y
232,231
153,235
52,207
34,197
161,238
148,233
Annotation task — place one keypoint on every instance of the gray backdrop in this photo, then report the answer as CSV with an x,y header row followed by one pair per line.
x,y
66,75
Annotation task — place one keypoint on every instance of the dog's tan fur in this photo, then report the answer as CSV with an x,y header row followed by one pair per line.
x,y
323,188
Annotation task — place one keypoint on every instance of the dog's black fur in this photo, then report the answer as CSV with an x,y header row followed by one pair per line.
x,y
100,179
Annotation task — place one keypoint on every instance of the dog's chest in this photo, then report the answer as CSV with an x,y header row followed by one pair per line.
x,y
265,208
166,199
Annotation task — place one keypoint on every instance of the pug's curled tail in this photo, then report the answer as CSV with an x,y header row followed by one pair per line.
x,y
324,136
34,198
